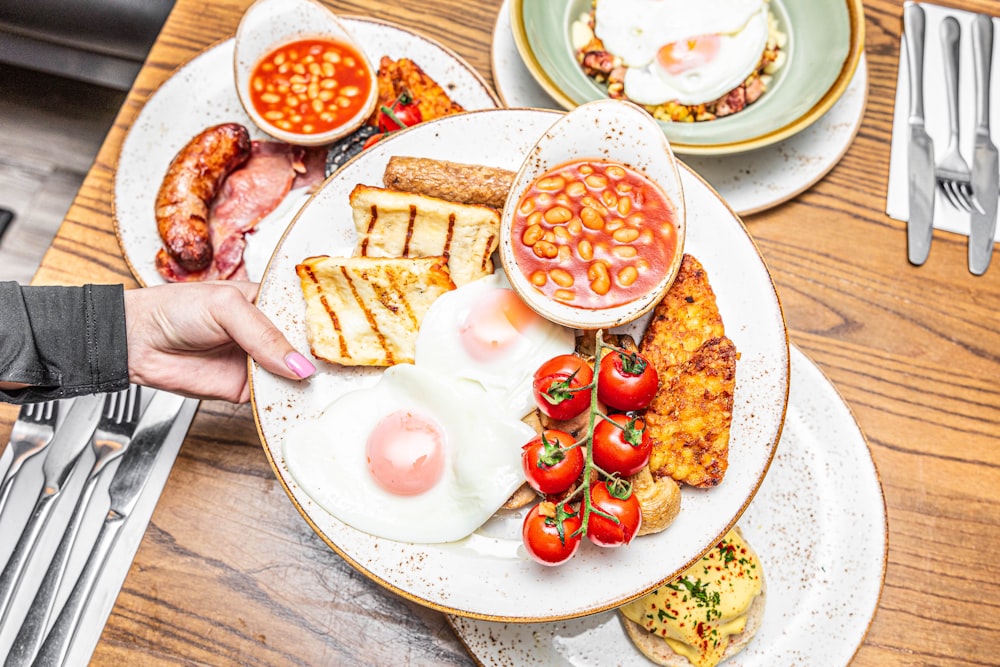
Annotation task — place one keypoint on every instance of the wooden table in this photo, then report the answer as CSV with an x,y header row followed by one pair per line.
x,y
229,573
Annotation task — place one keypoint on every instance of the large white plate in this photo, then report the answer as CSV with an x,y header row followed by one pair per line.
x,y
488,575
202,93
818,524
750,182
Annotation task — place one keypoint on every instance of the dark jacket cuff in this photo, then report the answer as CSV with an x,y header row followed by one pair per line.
x,y
63,341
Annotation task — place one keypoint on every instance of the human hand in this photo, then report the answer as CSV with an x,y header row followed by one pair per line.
x,y
194,338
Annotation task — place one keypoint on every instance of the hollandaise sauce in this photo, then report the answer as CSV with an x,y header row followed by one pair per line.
x,y
698,612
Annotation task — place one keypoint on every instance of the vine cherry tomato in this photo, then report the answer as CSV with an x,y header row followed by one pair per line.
x,y
621,445
561,386
550,533
404,112
615,498
626,381
551,463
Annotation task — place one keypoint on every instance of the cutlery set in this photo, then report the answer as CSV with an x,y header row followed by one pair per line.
x,y
130,425
971,190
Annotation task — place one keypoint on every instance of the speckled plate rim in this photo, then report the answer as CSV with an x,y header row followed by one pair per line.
x,y
440,576
842,613
167,121
751,181
855,47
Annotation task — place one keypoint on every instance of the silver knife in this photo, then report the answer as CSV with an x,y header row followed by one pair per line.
x,y
985,170
130,478
70,439
920,154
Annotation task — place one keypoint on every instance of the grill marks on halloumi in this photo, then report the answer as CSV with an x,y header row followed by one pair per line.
x,y
366,312
404,224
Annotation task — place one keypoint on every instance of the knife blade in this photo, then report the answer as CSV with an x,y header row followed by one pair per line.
x,y
133,471
70,439
920,149
985,168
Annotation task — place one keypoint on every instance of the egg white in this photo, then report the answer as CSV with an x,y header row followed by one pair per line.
x,y
635,30
326,457
506,377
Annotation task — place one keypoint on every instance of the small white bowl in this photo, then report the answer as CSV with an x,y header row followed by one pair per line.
x,y
268,24
609,130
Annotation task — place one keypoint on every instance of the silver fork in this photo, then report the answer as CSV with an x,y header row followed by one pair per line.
x,y
33,430
60,460
953,175
110,440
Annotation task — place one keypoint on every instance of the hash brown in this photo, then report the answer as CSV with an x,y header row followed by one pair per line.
x,y
690,417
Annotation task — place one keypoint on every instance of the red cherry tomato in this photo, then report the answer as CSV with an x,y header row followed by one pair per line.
x,y
616,499
403,113
626,381
374,139
621,445
550,533
551,463
561,386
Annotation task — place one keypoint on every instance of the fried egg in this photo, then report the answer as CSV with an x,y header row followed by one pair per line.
x,y
675,50
414,458
484,334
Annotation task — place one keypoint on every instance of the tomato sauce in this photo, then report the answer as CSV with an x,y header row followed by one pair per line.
x,y
310,86
594,234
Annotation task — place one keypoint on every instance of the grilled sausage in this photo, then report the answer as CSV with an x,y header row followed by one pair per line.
x,y
461,183
189,187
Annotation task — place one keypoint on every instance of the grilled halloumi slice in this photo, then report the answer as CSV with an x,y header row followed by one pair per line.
x,y
367,312
404,224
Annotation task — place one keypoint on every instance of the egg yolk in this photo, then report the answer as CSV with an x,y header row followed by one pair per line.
x,y
405,453
494,324
679,57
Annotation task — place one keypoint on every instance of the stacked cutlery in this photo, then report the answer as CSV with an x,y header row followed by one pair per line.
x,y
979,206
84,560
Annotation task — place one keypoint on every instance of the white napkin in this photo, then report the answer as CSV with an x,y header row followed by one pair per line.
x,y
897,205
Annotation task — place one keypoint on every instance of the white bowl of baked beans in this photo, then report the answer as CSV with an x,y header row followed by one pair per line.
x,y
593,229
300,75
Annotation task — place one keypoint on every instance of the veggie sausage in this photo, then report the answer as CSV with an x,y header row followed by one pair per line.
x,y
189,187
453,181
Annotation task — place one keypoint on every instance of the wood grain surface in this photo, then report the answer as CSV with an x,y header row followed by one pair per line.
x,y
229,574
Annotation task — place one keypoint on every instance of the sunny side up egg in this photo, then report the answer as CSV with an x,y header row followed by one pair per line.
x,y
677,50
414,458
483,333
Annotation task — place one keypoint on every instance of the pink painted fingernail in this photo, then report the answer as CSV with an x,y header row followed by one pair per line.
x,y
299,365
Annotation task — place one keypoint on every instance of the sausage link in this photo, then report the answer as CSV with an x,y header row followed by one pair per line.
x,y
453,181
191,183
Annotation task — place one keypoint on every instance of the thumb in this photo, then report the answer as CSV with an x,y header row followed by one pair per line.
x,y
256,334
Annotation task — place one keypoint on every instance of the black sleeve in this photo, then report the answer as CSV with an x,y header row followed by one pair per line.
x,y
63,341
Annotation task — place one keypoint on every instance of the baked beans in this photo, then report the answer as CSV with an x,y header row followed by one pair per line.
x,y
594,234
310,86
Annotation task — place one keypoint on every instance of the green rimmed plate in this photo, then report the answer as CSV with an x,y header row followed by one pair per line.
x,y
825,43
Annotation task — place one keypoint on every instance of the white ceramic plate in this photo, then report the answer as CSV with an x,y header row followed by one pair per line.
x,y
750,182
818,524
488,575
202,93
